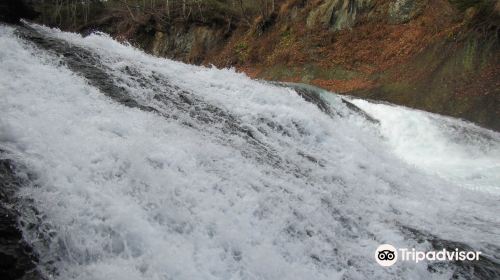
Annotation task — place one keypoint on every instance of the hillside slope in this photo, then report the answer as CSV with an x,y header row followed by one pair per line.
x,y
438,55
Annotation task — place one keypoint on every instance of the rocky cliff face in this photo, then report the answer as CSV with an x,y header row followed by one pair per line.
x,y
337,14
437,55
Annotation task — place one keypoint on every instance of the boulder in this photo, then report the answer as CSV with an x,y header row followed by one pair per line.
x,y
337,14
402,11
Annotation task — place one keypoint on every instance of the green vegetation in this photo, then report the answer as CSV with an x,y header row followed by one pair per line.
x,y
465,4
242,50
308,72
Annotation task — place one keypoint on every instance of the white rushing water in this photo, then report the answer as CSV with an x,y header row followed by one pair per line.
x,y
460,152
246,181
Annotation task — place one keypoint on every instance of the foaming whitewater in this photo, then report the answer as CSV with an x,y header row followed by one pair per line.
x,y
460,152
146,168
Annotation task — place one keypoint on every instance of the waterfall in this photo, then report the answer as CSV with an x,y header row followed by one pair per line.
x,y
138,167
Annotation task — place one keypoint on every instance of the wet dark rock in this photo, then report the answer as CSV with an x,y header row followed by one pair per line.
x,y
360,112
487,267
310,94
313,97
83,62
87,64
17,260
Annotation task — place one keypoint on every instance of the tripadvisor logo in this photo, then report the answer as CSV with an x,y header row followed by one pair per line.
x,y
387,255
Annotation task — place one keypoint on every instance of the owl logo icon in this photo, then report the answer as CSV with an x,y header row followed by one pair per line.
x,y
386,255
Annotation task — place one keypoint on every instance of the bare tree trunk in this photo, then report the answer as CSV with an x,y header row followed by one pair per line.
x,y
74,12
57,11
201,12
184,9
242,13
87,9
168,9
129,10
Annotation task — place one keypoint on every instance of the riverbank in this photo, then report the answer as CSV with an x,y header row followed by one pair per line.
x,y
440,56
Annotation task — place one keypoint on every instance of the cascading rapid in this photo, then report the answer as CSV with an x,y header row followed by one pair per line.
x,y
138,167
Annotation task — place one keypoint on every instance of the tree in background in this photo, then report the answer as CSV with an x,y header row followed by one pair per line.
x,y
72,13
